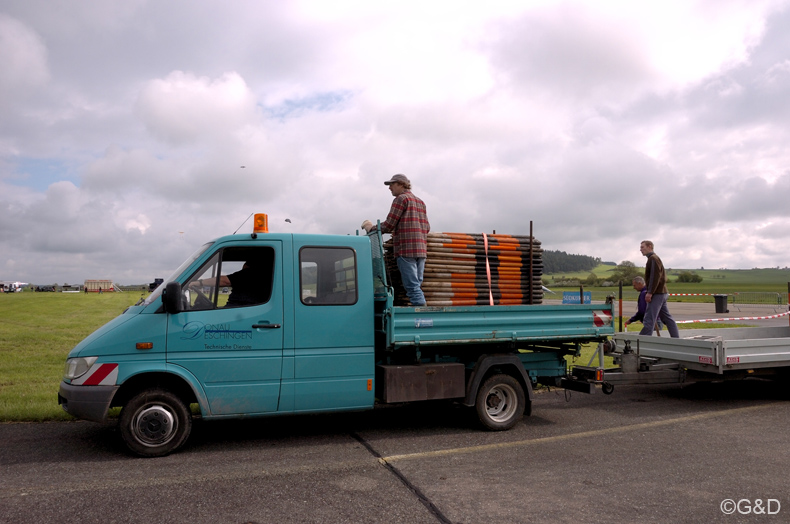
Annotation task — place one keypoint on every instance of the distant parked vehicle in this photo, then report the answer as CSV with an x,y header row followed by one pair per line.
x,y
12,287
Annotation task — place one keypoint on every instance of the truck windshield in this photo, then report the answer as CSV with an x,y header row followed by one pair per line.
x,y
158,291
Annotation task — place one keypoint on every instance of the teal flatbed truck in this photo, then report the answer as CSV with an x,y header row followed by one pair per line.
x,y
268,324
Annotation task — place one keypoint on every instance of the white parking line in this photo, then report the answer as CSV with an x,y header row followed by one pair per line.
x,y
570,436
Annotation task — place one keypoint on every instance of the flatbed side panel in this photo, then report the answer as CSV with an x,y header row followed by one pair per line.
x,y
480,324
717,350
702,354
756,353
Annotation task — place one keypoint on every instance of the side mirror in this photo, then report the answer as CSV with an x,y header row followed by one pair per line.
x,y
171,297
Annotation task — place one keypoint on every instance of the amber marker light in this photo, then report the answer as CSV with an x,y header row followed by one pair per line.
x,y
144,345
261,223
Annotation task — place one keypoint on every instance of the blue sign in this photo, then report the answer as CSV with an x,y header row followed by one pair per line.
x,y
572,297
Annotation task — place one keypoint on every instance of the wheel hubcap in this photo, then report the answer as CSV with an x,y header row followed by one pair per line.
x,y
154,426
501,403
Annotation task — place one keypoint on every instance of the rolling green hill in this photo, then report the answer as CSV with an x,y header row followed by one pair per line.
x,y
713,280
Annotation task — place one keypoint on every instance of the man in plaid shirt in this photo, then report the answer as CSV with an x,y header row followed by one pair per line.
x,y
408,223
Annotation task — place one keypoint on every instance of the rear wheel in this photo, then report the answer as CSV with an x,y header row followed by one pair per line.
x,y
500,402
155,423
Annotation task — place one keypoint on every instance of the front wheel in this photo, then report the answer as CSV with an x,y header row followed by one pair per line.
x,y
500,402
155,423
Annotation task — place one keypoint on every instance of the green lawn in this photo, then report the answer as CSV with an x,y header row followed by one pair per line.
x,y
724,281
37,331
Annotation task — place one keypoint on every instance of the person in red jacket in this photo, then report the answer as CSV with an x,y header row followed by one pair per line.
x,y
656,296
407,220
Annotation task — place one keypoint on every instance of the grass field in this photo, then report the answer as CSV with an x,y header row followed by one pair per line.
x,y
721,281
37,331
713,280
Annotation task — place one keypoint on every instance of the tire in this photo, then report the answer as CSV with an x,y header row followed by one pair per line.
x,y
500,402
607,388
155,423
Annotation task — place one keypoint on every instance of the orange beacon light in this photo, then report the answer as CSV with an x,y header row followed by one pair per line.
x,y
261,223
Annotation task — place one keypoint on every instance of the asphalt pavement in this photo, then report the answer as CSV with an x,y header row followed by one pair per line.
x,y
707,453
704,453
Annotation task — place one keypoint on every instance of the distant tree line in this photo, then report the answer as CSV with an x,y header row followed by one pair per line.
x,y
562,262
689,276
623,272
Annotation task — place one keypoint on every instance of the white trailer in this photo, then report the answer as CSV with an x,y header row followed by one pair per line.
x,y
100,285
700,355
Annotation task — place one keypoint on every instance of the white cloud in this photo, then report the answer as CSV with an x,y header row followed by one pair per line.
x,y
602,123
23,60
183,108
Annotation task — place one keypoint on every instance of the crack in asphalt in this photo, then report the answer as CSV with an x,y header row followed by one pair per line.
x,y
432,508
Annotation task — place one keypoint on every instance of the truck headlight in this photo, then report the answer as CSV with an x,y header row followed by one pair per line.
x,y
76,367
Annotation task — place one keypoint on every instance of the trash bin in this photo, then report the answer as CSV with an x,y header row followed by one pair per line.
x,y
721,303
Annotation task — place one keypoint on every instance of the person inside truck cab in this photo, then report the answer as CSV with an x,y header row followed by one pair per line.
x,y
251,285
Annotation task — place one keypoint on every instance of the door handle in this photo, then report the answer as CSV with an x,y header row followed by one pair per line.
x,y
265,326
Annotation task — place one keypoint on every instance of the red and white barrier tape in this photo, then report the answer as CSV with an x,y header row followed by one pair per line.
x,y
738,318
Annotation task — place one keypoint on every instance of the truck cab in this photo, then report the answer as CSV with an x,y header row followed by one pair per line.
x,y
293,332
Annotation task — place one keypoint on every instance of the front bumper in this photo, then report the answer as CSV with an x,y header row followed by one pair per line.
x,y
86,402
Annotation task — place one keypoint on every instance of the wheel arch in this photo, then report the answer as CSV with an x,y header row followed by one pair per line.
x,y
488,365
176,384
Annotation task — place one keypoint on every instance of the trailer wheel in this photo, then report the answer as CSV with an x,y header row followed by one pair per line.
x,y
607,388
155,423
500,402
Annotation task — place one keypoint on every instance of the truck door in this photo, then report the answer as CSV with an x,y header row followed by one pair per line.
x,y
334,359
230,333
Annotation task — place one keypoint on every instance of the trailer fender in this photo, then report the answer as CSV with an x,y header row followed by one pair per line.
x,y
509,364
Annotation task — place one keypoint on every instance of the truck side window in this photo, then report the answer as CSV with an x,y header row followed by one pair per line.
x,y
233,277
328,276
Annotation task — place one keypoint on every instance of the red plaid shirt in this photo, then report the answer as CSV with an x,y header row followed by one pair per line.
x,y
408,223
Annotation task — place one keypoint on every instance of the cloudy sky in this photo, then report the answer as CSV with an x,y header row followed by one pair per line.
x,y
124,126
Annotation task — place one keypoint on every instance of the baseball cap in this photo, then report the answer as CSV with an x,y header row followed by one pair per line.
x,y
397,178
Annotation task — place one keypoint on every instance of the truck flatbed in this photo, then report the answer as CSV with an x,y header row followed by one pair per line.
x,y
422,326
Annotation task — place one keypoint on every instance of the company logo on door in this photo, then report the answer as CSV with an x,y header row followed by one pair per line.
x,y
201,331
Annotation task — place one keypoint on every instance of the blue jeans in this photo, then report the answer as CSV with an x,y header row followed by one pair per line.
x,y
411,271
657,308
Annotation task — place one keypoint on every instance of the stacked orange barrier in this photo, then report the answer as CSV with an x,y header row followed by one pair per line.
x,y
458,267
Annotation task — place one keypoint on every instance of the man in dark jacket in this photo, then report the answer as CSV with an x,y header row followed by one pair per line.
x,y
656,296
641,303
